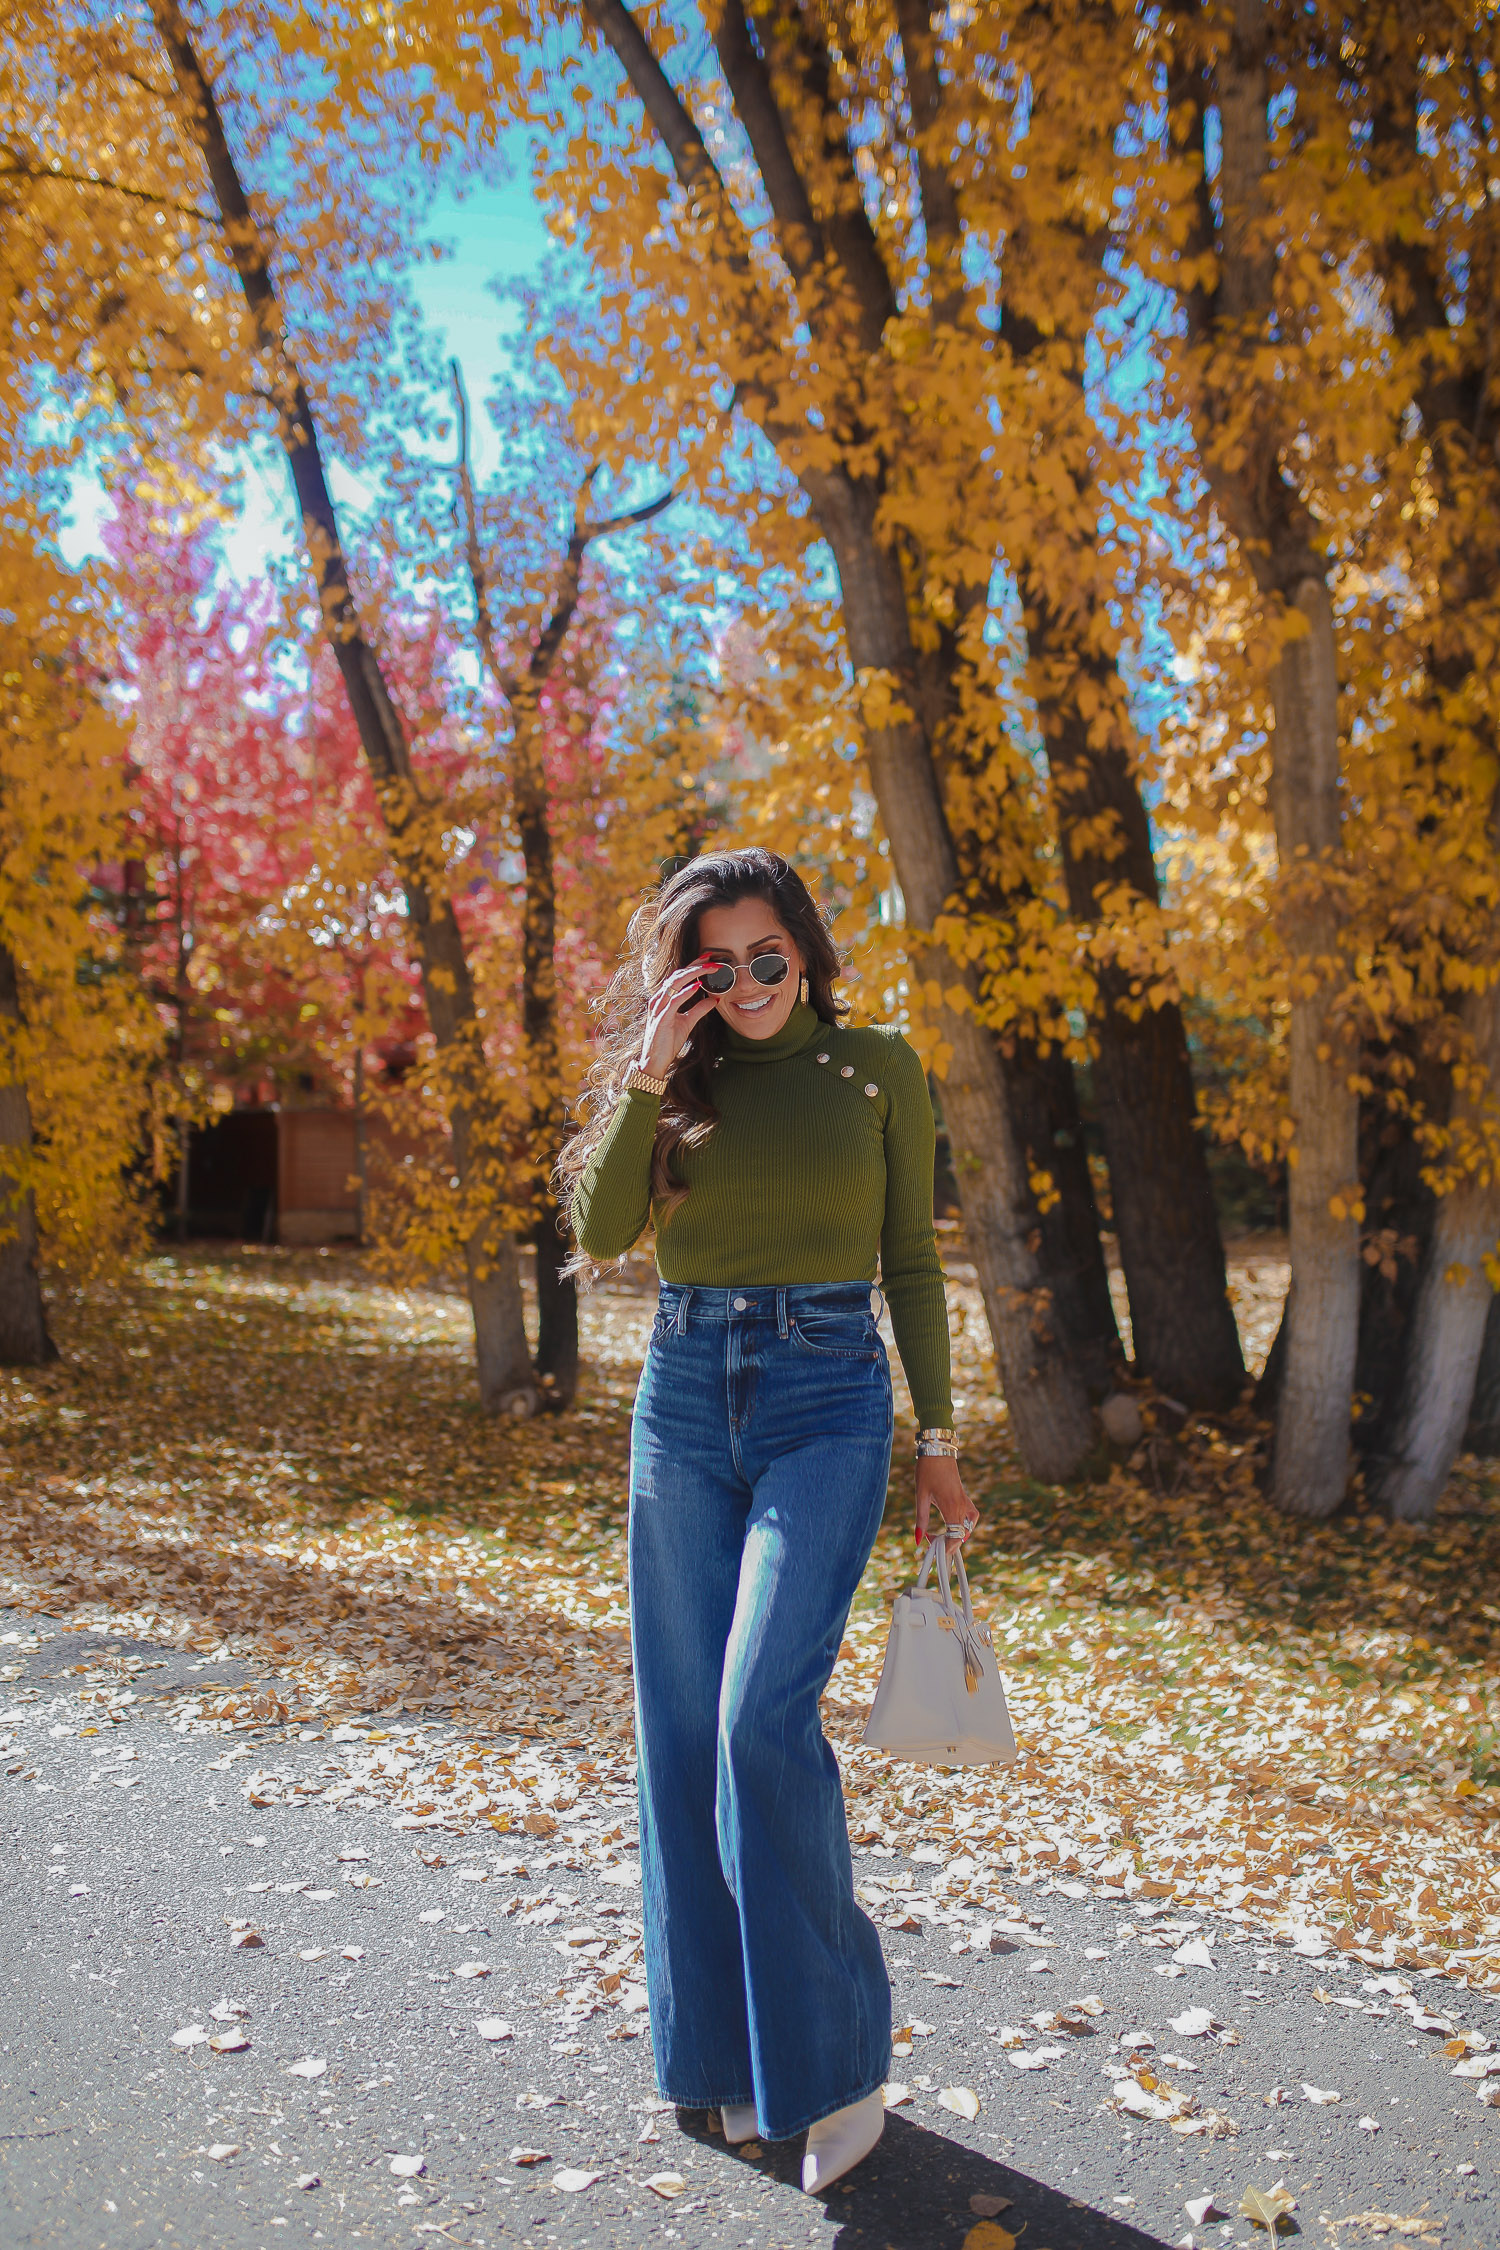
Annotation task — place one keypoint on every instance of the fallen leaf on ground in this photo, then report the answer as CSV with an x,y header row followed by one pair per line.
x,y
574,2183
191,2035
1369,2124
408,2167
1267,2207
961,2101
1193,2023
1193,1955
493,2027
221,2149
228,2042
530,2156
988,2206
896,2094
667,2185
1421,2226
1322,2096
472,1969
310,2066
307,2180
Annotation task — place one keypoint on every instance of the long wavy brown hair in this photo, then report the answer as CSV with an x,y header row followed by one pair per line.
x,y
663,937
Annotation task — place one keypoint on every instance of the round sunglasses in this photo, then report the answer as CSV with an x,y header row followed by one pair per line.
x,y
766,968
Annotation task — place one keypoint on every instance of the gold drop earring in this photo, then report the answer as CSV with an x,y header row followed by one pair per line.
x,y
802,992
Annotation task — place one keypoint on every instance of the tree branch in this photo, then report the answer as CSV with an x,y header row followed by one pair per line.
x,y
473,551
380,730
939,197
798,235
633,516
674,124
851,237
568,585
46,172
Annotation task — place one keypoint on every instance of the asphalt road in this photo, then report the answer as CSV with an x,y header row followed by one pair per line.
x,y
128,1852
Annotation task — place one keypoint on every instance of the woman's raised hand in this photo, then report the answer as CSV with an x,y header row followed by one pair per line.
x,y
669,1022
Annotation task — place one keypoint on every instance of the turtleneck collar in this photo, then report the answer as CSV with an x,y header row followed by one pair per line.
x,y
801,1028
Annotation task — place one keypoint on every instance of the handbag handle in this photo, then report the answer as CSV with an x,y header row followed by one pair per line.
x,y
964,1627
939,1548
956,1560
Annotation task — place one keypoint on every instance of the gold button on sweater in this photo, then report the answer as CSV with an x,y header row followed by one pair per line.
x,y
811,1174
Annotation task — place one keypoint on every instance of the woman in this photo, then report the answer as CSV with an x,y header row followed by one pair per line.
x,y
777,1152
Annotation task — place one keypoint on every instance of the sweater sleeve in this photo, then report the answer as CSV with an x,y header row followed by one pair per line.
x,y
612,1203
910,1272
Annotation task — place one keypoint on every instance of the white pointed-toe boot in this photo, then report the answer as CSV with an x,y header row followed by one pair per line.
x,y
837,2143
739,2122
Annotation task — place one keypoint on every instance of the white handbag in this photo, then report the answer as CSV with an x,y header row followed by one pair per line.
x,y
940,1701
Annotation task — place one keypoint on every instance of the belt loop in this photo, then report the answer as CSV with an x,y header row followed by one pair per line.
x,y
682,1312
877,1304
781,1313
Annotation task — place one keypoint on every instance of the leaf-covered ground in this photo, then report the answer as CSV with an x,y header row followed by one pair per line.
x,y
259,1453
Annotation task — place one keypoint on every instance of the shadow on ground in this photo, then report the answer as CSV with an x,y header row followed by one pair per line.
x,y
921,2191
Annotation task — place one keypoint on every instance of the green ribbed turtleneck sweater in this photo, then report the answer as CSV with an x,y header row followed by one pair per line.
x,y
821,1162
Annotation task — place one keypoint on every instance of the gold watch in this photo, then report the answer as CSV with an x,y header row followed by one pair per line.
x,y
635,1076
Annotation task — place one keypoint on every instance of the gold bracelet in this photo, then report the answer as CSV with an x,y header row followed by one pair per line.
x,y
635,1076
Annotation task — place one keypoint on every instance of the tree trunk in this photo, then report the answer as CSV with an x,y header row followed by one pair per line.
x,y
1482,1435
1310,1463
1039,1375
506,1381
1042,1094
1399,1209
1171,1249
1231,315
25,1340
500,1346
1453,1304
556,1292
557,1312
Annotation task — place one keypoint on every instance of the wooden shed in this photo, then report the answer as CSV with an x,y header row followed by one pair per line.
x,y
269,1174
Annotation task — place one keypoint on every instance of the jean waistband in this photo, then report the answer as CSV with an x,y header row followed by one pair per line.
x,y
687,1303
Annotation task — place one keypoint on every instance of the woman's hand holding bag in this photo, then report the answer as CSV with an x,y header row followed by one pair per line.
x,y
940,1701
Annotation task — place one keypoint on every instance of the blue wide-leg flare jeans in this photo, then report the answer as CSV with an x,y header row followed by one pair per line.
x,y
760,1451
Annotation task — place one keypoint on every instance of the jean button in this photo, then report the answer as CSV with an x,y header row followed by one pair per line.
x,y
739,1304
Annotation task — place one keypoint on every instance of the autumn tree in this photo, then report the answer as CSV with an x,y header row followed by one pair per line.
x,y
76,1035
104,306
1335,399
526,681
1427,91
415,823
